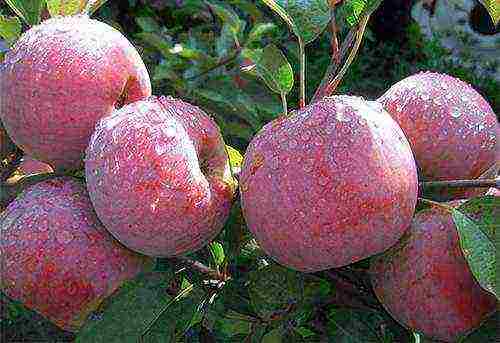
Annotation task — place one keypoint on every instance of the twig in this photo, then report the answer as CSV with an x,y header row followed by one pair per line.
x,y
479,183
199,267
302,76
332,86
333,67
335,41
221,63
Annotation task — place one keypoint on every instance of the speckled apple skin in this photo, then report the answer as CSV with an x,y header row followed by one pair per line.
x,y
56,258
329,185
158,176
424,281
59,79
451,128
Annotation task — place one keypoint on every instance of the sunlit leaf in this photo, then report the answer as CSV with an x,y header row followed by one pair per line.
x,y
260,30
28,10
493,8
272,66
10,29
65,7
356,9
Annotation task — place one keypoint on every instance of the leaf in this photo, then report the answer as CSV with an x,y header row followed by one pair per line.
x,y
147,24
28,10
493,8
275,291
358,326
478,250
487,332
235,158
224,42
258,31
10,29
136,304
65,7
273,67
183,313
229,17
485,211
217,253
273,336
306,18
356,9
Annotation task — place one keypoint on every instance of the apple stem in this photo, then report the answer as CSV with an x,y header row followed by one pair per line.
x,y
332,78
302,62
484,183
283,101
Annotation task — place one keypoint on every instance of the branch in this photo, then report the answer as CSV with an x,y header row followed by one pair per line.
x,y
479,183
199,267
333,67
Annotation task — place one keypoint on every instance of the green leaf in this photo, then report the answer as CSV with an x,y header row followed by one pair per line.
x,y
217,253
493,8
65,7
485,211
94,5
259,30
147,24
235,157
306,18
28,10
478,250
273,336
224,42
358,326
10,29
131,310
273,67
228,16
487,332
183,313
356,9
275,291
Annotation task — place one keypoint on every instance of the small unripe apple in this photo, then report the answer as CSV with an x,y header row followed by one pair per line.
x,y
329,184
425,283
158,175
451,128
57,259
59,78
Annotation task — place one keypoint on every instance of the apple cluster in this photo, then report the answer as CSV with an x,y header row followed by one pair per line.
x,y
321,187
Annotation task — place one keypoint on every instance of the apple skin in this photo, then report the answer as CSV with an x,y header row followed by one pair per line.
x,y
158,175
59,78
451,128
57,259
425,283
328,185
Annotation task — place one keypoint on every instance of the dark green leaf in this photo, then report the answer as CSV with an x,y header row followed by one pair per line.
x,y
10,29
273,67
181,315
487,332
275,291
225,42
130,311
147,24
273,336
259,30
28,10
358,326
306,18
478,250
229,17
234,230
